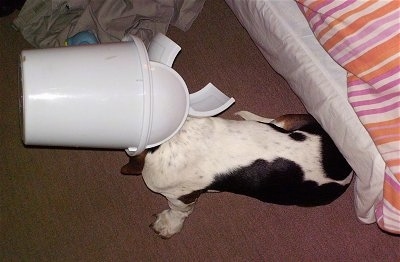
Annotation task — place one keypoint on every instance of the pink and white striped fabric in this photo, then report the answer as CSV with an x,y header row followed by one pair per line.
x,y
364,38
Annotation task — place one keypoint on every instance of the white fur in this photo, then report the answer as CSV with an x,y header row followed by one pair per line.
x,y
190,160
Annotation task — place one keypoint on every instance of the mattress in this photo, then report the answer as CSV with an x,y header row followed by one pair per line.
x,y
285,39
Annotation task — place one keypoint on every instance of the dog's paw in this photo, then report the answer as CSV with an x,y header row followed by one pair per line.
x,y
168,223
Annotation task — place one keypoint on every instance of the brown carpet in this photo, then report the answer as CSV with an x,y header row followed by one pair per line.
x,y
73,205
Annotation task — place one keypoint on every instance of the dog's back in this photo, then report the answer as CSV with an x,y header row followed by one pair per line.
x,y
305,168
289,161
262,160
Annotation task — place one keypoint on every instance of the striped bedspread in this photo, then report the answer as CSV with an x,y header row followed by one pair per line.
x,y
364,38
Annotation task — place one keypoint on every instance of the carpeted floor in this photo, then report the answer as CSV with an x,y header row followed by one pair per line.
x,y
74,205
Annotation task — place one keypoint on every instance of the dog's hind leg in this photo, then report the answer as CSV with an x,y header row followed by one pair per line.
x,y
170,221
135,165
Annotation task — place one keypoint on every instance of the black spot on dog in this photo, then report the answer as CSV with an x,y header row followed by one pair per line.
x,y
191,197
153,149
280,181
298,136
333,162
294,135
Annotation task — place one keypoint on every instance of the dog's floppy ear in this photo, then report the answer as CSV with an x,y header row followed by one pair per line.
x,y
135,165
291,122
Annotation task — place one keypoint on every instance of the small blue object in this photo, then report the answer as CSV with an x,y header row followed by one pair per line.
x,y
82,38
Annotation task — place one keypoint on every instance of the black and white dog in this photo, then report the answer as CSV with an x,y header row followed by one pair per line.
x,y
288,161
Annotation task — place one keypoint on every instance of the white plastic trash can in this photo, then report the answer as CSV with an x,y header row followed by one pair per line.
x,y
108,95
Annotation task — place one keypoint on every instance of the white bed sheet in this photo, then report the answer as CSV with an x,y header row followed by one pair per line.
x,y
282,34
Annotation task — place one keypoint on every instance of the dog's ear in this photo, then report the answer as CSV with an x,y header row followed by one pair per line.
x,y
135,165
291,122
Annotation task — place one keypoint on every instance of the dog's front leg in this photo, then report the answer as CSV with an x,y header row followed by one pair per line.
x,y
170,221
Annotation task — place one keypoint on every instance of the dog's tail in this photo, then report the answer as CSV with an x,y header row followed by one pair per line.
x,y
289,122
246,115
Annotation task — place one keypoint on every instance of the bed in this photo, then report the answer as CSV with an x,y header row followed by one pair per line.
x,y
342,59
